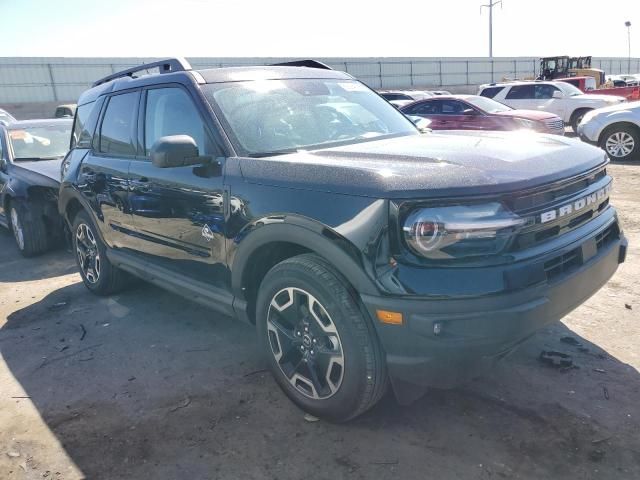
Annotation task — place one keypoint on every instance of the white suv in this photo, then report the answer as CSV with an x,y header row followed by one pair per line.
x,y
559,98
616,129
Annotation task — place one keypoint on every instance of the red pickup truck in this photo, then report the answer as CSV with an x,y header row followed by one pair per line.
x,y
587,85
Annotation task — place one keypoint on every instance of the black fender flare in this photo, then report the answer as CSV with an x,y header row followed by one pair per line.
x,y
301,231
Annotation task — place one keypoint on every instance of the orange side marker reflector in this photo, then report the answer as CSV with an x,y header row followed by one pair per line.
x,y
392,318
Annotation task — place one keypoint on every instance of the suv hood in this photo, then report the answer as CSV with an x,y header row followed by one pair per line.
x,y
633,107
610,99
43,168
430,165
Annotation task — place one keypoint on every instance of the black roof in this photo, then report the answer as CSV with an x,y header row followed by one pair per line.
x,y
172,68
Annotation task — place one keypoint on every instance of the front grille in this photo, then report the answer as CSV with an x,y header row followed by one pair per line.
x,y
551,213
552,124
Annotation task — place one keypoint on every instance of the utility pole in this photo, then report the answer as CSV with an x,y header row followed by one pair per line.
x,y
628,25
490,6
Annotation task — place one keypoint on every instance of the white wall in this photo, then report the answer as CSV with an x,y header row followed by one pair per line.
x,y
59,79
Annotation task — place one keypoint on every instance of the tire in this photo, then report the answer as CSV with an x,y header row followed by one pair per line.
x,y
28,227
97,272
621,142
307,317
576,117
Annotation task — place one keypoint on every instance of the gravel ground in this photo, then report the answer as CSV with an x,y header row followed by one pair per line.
x,y
148,385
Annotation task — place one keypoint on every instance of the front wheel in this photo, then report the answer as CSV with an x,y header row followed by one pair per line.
x,y
321,348
621,142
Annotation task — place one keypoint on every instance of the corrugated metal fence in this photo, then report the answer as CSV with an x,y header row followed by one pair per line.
x,y
53,79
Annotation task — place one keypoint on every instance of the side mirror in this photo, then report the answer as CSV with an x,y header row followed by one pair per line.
x,y
421,123
3,164
557,94
468,111
175,151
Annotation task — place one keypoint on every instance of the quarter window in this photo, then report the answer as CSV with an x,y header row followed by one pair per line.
x,y
491,92
118,125
81,137
170,111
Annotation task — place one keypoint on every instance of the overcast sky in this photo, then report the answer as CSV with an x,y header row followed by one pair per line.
x,y
220,28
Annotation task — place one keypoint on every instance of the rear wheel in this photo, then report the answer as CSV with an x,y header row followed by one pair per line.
x,y
321,349
97,272
28,227
621,142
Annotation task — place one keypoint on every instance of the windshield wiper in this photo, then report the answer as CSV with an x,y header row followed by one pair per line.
x,y
35,159
271,154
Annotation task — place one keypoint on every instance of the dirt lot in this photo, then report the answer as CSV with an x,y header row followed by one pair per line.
x,y
148,385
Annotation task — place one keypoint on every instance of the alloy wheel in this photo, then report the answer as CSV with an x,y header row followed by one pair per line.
x,y
87,252
16,226
620,144
305,343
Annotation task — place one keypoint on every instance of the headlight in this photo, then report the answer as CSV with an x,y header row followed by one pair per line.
x,y
528,124
460,231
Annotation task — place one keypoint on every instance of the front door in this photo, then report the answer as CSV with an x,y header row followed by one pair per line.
x,y
179,212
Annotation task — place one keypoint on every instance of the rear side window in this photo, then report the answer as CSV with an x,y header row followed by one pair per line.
x,y
117,133
81,137
521,92
491,92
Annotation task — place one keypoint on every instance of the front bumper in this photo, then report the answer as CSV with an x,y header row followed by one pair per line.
x,y
476,330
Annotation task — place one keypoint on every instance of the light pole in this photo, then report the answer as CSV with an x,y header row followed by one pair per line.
x,y
628,25
490,7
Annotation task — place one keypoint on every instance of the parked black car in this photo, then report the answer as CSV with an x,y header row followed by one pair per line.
x,y
297,199
31,153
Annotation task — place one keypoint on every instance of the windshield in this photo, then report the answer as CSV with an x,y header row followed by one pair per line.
x,y
40,143
488,105
569,89
279,116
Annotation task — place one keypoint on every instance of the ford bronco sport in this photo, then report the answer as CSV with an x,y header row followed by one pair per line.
x,y
365,252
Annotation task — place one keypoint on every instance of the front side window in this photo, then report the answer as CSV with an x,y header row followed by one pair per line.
x,y
452,107
170,111
424,108
267,117
46,142
521,92
545,91
118,125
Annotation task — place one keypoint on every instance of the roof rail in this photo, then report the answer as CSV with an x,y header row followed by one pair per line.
x,y
303,63
168,65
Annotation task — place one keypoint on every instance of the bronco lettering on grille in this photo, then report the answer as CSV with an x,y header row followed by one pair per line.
x,y
580,204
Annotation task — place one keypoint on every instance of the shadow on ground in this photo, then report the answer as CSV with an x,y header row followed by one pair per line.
x,y
148,385
15,268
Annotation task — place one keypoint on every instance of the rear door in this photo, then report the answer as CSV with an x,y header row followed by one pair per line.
x,y
103,176
179,212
